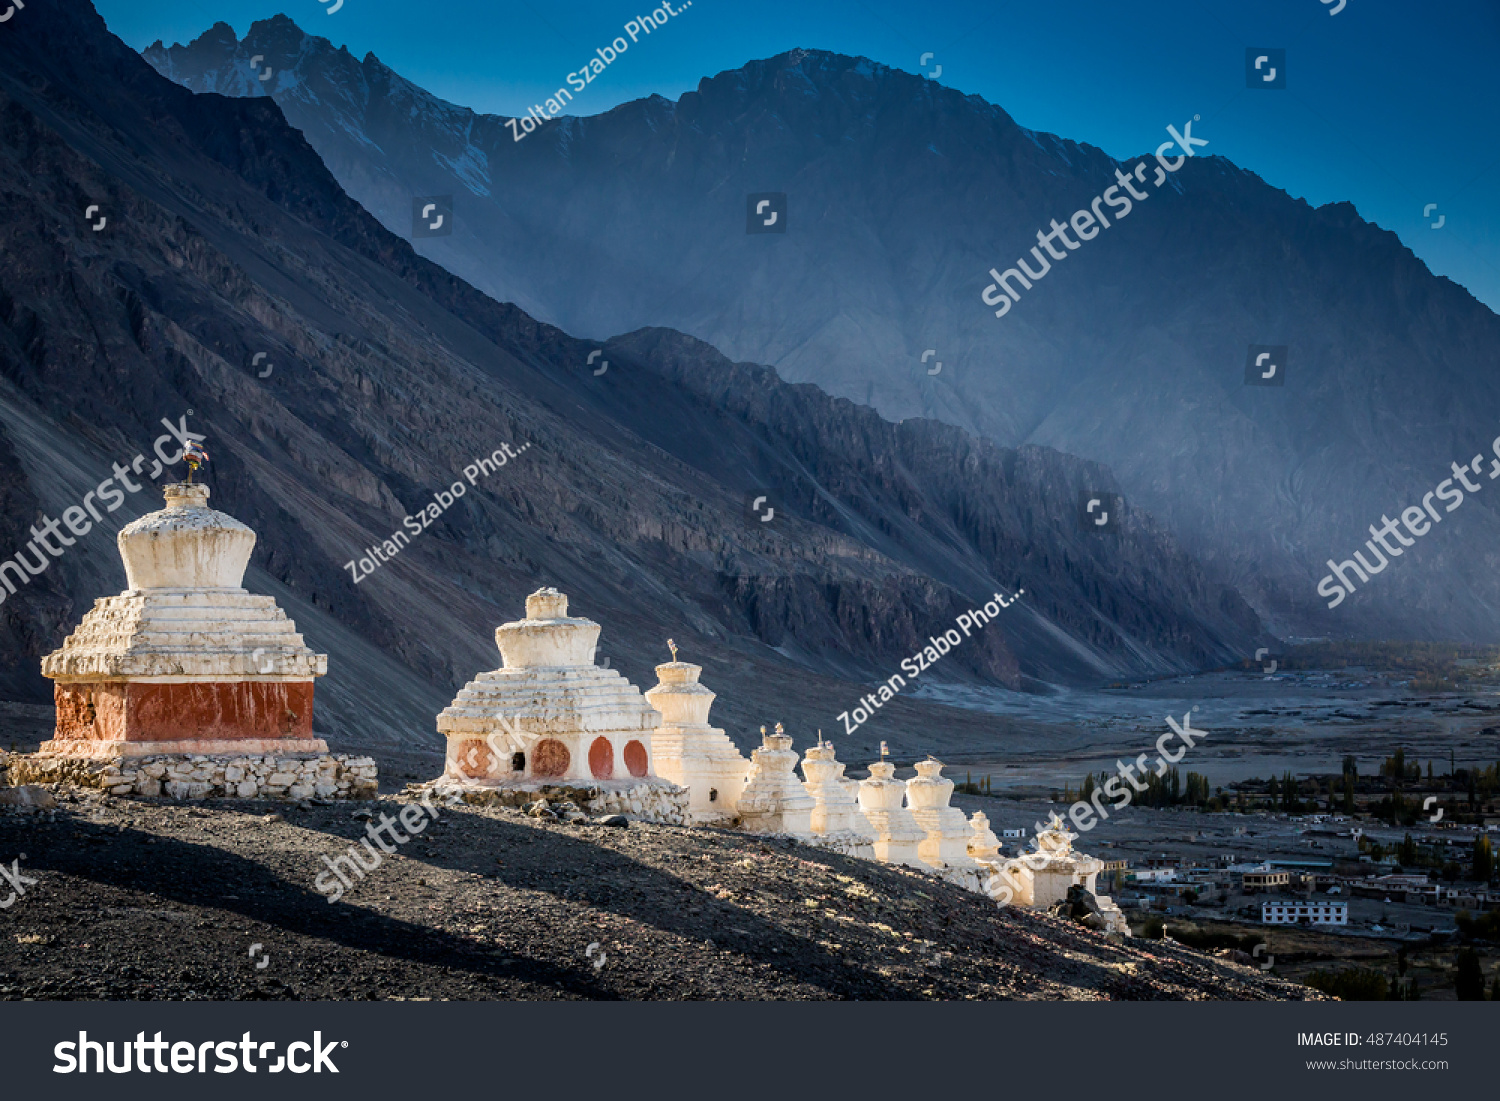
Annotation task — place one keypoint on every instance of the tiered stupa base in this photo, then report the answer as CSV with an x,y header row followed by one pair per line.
x,y
848,843
138,718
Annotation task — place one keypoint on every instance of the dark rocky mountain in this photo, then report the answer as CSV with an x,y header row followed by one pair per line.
x,y
902,195
226,237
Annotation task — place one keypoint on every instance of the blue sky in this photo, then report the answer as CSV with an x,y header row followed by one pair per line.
x,y
1390,105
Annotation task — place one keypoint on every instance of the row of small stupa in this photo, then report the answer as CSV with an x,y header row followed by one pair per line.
x,y
187,684
551,720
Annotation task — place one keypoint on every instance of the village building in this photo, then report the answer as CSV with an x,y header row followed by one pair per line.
x,y
1303,911
1265,878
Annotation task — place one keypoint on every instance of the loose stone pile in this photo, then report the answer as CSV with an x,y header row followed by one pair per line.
x,y
199,776
652,801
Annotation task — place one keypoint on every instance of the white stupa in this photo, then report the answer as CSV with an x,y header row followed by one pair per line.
x,y
185,660
882,801
836,819
689,752
187,685
946,845
549,713
1041,878
984,846
774,800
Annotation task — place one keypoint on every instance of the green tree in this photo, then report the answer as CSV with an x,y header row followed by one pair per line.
x,y
1395,766
1468,976
1406,853
1348,793
1484,858
1350,984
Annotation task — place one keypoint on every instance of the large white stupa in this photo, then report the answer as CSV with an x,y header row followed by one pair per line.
x,y
185,660
549,719
186,684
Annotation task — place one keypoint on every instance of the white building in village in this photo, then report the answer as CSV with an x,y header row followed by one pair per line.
x,y
1288,911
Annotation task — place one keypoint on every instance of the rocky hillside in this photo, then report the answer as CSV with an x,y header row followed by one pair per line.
x,y
902,195
342,382
488,904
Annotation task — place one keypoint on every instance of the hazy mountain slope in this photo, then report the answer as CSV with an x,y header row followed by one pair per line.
x,y
227,237
902,195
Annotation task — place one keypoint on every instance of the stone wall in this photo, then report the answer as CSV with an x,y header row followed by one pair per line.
x,y
649,800
846,843
196,776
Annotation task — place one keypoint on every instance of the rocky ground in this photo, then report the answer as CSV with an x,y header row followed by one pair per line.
x,y
149,899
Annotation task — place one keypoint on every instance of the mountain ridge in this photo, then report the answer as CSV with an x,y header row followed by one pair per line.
x,y
903,194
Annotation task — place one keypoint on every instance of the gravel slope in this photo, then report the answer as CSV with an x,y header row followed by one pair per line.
x,y
144,900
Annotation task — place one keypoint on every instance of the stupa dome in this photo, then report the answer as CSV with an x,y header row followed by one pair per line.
x,y
186,545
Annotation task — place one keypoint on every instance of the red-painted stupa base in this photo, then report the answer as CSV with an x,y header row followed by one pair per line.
x,y
139,717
